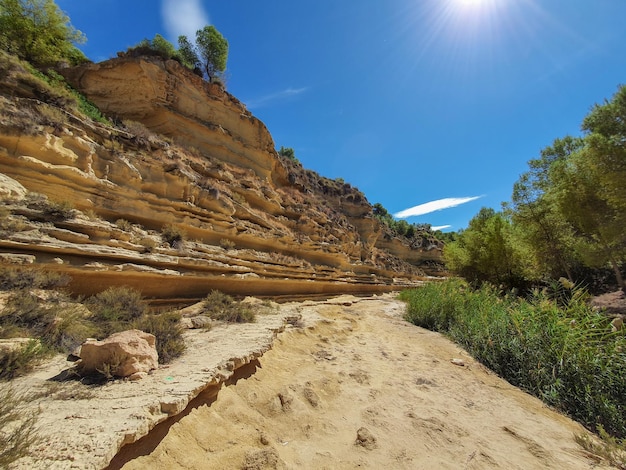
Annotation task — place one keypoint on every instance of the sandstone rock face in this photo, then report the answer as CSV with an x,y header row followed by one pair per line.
x,y
121,354
212,206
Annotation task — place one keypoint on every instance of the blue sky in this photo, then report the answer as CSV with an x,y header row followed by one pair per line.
x,y
411,101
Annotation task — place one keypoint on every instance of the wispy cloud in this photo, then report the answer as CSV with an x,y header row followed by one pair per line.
x,y
183,17
434,206
275,97
440,227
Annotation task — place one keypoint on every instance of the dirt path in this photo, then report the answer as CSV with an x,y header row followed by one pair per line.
x,y
361,388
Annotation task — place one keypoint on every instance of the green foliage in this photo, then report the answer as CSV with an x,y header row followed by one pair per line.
x,y
168,331
560,350
570,208
289,154
404,229
115,308
17,427
187,53
220,306
212,51
488,251
39,32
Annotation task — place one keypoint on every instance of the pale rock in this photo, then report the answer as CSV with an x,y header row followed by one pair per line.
x,y
127,353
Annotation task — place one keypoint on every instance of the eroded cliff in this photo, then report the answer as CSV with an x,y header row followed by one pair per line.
x,y
184,195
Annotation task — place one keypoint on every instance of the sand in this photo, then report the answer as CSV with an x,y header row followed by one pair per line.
x,y
352,385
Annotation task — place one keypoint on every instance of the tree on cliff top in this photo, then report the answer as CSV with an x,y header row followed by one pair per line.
x,y
39,32
209,54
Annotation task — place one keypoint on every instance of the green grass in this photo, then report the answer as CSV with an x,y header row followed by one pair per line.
x,y
557,348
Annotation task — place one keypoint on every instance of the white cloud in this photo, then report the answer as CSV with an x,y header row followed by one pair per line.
x,y
183,17
273,97
434,206
440,227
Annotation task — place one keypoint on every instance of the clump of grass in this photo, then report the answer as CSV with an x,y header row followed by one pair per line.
x,y
17,427
21,360
173,235
168,331
607,448
124,225
220,306
227,244
560,350
59,211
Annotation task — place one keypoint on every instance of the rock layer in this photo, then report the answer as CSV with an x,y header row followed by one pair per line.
x,y
209,206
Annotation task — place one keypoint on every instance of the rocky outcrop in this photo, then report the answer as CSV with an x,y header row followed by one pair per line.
x,y
209,206
123,354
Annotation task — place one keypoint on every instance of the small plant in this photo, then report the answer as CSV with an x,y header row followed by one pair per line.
x,y
608,448
148,244
59,211
168,331
110,368
173,235
19,361
17,428
227,244
124,225
220,306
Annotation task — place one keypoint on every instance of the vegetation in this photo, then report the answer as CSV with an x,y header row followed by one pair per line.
x,y
38,32
404,229
168,331
552,345
212,49
220,306
567,214
17,428
208,56
289,154
173,235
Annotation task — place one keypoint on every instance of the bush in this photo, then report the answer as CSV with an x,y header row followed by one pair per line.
x,y
220,306
168,331
173,235
17,429
21,278
115,308
19,361
566,355
59,327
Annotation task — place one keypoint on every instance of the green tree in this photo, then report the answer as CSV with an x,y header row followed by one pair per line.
x,y
534,211
213,51
188,54
288,152
163,46
488,251
39,32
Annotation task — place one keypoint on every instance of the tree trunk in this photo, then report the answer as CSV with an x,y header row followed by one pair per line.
x,y
618,275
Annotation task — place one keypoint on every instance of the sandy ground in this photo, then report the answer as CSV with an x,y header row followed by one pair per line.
x,y
355,386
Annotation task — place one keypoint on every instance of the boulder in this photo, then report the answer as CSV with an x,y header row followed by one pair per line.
x,y
121,354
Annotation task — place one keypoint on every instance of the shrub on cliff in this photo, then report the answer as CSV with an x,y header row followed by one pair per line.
x,y
39,32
